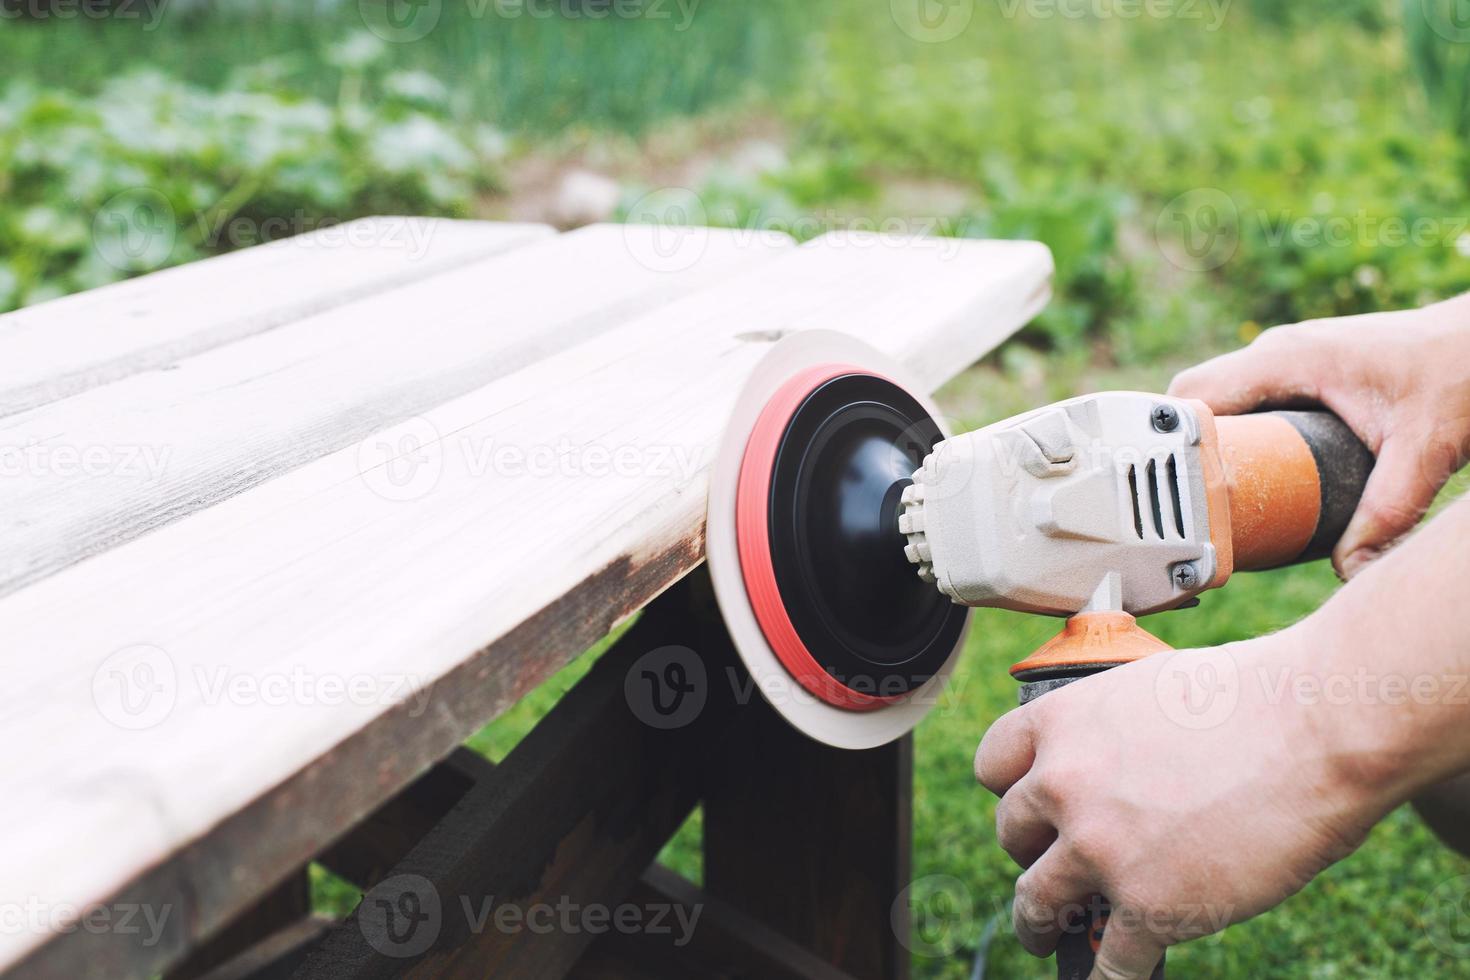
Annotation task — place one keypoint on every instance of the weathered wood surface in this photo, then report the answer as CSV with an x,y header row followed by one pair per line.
x,y
78,342
155,447
208,704
277,955
815,847
727,945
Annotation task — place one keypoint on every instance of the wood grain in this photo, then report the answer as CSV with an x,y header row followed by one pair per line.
x,y
104,466
72,344
467,582
813,841
727,945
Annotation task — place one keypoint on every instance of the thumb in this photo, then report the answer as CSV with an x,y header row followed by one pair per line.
x,y
1126,954
1397,495
1277,370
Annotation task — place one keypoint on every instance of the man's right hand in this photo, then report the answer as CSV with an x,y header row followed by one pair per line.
x,y
1401,380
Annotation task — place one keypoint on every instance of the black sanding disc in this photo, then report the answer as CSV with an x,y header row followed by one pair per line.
x,y
857,603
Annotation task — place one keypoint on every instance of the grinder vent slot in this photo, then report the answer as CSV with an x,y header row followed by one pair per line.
x,y
1172,469
1157,495
1153,497
1133,497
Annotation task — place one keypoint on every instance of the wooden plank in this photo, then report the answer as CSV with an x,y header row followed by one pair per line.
x,y
275,957
726,944
368,852
286,905
511,881
70,345
812,841
104,466
475,588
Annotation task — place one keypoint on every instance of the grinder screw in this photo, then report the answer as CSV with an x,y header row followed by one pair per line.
x,y
1165,418
1186,576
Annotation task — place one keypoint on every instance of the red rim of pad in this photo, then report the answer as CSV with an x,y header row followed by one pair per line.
x,y
752,500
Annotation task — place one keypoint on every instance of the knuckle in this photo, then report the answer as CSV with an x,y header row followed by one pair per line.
x,y
1004,820
1050,786
1094,848
1031,911
1010,828
1060,781
984,768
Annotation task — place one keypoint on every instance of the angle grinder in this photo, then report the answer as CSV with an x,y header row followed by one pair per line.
x,y
850,534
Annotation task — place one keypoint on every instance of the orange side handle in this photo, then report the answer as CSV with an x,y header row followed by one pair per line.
x,y
1292,481
1274,489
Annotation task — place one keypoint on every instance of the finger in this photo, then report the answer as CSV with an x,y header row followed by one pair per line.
x,y
1022,828
1397,495
1006,752
1048,895
1126,954
1260,374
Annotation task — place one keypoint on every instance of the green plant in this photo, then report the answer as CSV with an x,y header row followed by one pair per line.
x,y
1438,46
151,172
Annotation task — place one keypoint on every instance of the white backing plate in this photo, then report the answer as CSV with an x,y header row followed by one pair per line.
x,y
812,716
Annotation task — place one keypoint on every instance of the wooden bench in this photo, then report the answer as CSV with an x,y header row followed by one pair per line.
x,y
280,530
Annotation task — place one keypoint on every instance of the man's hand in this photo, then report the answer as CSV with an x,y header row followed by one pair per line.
x,y
1196,788
1400,380
1187,814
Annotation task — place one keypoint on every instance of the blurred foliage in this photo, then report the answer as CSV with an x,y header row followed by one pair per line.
x,y
535,65
1198,174
1438,44
1193,182
1371,14
151,172
1293,173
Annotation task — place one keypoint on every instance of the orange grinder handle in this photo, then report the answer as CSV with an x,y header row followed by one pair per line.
x,y
1293,480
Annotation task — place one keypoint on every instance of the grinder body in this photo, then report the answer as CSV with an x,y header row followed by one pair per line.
x,y
1119,504
1122,504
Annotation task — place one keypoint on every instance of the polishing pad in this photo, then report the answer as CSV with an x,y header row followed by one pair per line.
x,y
837,630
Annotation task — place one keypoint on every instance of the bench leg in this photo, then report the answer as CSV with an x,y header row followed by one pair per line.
x,y
282,908
806,847
813,841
